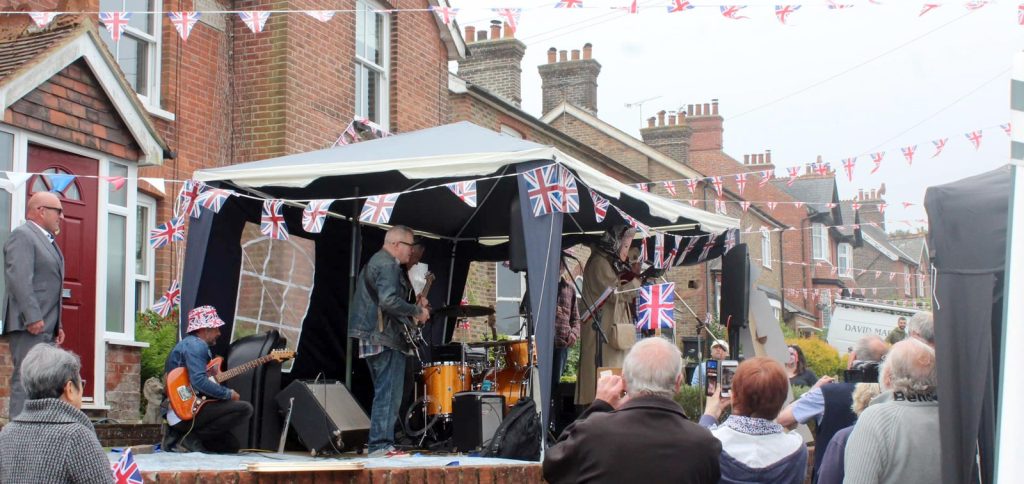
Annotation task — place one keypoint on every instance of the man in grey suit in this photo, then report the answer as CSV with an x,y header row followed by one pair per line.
x,y
34,272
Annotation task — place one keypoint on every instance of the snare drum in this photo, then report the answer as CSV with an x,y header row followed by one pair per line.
x,y
442,382
516,354
512,383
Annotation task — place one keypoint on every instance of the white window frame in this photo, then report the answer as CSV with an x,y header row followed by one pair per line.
x,y
498,267
766,249
149,203
819,243
510,131
382,70
102,226
906,284
920,286
151,100
844,256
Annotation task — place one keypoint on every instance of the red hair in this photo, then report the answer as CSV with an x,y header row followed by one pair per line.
x,y
759,388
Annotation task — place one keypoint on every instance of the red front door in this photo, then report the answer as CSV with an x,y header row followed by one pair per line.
x,y
77,241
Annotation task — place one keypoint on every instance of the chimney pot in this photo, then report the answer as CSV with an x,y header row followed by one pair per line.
x,y
481,35
760,158
509,33
707,109
714,107
563,56
470,33
860,194
671,119
818,159
575,54
746,159
689,110
495,29
587,50
807,169
552,54
661,118
650,122
768,155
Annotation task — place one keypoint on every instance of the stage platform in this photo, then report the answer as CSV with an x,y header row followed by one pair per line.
x,y
415,468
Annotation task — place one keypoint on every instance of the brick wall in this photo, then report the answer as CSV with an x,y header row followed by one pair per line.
x,y
123,387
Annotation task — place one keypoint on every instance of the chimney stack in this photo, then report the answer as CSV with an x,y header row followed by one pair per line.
x,y
495,64
572,81
671,138
706,124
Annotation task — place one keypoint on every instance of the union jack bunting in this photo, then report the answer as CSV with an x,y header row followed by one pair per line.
x,y
163,234
693,203
115,22
679,6
908,204
321,15
465,190
255,20
692,244
772,205
656,306
170,299
600,206
975,138
976,4
633,8
116,182
798,204
42,19
855,206
928,7
821,168
659,250
188,197
272,220
214,198
730,240
745,205
678,239
908,153
716,181
732,11
892,275
794,172
830,205
741,182
1020,14
314,215
782,12
710,244
570,194
882,206
876,158
643,250
377,209
183,22
766,175
510,16
544,189
569,4
832,5
126,471
642,187
848,165
691,184
670,187
1006,127
446,14
939,144
720,206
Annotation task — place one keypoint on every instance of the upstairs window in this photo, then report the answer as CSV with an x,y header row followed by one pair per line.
x,y
844,257
819,243
372,34
138,52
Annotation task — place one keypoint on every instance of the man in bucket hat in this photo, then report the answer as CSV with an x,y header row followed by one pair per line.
x,y
210,429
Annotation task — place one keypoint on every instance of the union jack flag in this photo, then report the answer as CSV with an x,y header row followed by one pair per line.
x,y
321,15
168,301
821,168
710,244
794,172
783,12
745,205
1006,127
691,184
928,7
510,16
214,198
675,250
716,181
272,221
126,471
642,187
798,204
570,194
569,4
832,5
881,207
732,11
741,182
600,206
543,188
643,250
766,175
679,6
447,14
659,250
772,205
877,159
975,138
670,187
183,22
855,206
1020,14
633,8
42,19
163,234
314,215
188,197
939,144
115,22
730,240
908,153
692,244
974,5
720,206
465,190
655,308
377,209
848,165
255,20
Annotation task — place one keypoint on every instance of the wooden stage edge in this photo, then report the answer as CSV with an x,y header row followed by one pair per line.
x,y
525,473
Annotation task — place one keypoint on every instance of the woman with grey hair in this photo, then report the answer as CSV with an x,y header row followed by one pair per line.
x,y
51,440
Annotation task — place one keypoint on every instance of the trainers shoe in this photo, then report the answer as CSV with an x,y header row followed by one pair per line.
x,y
190,443
382,452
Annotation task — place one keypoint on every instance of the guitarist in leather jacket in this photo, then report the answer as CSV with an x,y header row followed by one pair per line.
x,y
210,429
378,311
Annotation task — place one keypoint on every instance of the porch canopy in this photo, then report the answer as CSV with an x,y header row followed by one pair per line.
x,y
418,165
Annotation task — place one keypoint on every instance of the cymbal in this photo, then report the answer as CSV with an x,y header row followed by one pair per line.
x,y
490,344
466,311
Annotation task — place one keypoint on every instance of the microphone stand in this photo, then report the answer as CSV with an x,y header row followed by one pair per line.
x,y
700,325
602,338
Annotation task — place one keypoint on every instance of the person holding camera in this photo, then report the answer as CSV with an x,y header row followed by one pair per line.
x,y
829,403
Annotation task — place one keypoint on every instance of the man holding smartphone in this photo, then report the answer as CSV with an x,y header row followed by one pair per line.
x,y
719,351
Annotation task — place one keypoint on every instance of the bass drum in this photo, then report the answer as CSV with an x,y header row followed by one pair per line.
x,y
442,381
512,383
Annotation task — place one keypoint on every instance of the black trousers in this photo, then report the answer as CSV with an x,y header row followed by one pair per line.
x,y
214,423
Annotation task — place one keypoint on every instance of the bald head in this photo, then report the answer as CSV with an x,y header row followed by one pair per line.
x,y
909,367
653,367
868,348
45,209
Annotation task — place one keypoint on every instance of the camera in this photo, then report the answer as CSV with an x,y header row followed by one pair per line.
x,y
862,372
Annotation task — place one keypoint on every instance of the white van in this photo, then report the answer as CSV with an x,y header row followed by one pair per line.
x,y
853,319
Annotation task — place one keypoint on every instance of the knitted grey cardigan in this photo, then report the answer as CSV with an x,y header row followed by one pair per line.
x,y
52,441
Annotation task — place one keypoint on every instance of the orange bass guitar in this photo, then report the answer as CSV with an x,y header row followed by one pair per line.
x,y
186,402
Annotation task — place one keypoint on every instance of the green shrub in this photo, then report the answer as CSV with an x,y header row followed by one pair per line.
x,y
821,357
162,335
690,398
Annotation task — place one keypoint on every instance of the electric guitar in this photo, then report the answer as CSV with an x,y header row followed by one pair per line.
x,y
186,402
410,329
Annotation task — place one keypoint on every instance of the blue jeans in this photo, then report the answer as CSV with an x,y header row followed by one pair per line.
x,y
387,369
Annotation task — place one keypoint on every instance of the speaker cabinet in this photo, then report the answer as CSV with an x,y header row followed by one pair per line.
x,y
325,416
735,302
477,416
258,387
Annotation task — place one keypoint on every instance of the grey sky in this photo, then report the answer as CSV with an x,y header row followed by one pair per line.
x,y
908,73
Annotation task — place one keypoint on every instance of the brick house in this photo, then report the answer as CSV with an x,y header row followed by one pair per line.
x,y
156,107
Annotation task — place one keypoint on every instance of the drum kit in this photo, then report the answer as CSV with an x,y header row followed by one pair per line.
x,y
502,367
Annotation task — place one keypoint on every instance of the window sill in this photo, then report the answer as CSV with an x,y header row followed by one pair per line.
x,y
125,342
157,111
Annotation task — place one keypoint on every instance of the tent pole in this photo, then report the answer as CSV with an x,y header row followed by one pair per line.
x,y
353,266
448,297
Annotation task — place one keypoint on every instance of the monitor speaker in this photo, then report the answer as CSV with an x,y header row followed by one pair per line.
x,y
326,419
477,416
516,238
735,303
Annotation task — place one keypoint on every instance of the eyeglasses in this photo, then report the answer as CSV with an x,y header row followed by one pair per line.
x,y
60,211
410,244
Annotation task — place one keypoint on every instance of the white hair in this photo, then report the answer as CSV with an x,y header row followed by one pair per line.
x,y
394,234
652,367
923,326
909,367
870,348
47,369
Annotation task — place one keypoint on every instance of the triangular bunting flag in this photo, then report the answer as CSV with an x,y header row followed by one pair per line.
x,y
465,190
255,20
314,214
183,22
116,182
42,19
156,183
272,220
59,182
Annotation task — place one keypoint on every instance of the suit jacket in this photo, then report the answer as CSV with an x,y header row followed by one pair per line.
x,y
648,440
34,272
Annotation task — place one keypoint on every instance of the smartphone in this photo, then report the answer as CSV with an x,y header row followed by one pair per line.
x,y
710,376
727,370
